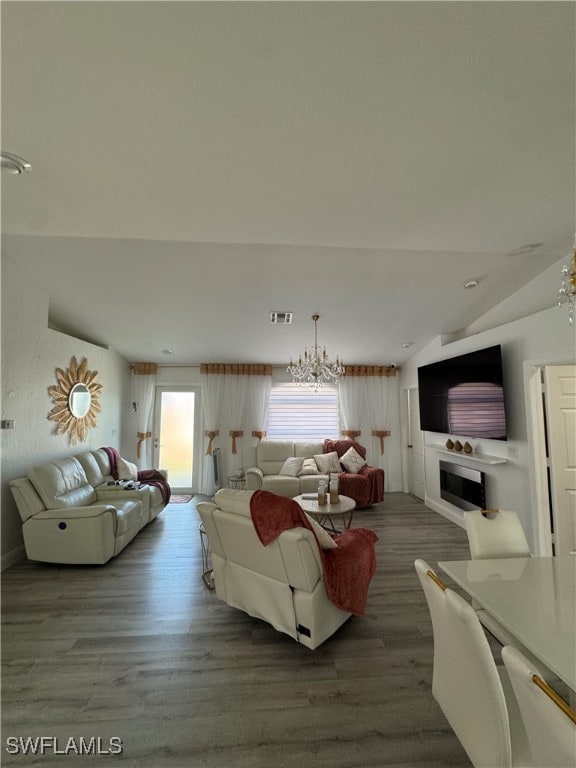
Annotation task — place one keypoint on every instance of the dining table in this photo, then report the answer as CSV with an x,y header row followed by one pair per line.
x,y
534,598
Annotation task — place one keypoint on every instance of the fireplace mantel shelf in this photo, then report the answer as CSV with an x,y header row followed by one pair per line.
x,y
482,458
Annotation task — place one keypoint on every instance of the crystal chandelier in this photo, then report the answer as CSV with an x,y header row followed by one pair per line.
x,y
567,292
316,368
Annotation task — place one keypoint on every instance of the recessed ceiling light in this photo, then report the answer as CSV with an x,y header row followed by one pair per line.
x,y
167,351
472,283
281,318
408,344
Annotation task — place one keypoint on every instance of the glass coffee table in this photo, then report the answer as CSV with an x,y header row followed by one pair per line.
x,y
327,515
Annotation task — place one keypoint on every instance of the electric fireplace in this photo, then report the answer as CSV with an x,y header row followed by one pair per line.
x,y
462,486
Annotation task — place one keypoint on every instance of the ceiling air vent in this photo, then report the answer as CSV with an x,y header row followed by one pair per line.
x,y
281,318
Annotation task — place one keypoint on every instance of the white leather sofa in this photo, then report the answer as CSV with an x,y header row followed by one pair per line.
x,y
270,455
366,486
71,515
281,583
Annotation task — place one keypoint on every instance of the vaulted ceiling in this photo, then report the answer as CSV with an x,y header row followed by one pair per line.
x,y
199,164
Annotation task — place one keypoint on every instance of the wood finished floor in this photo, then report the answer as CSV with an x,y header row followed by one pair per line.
x,y
141,650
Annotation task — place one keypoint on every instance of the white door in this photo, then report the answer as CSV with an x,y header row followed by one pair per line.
x,y
416,476
176,426
560,382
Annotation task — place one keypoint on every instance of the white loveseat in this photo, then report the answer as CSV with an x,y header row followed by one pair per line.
x,y
365,486
268,458
71,515
281,583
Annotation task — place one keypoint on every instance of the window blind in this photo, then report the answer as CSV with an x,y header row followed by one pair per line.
x,y
298,413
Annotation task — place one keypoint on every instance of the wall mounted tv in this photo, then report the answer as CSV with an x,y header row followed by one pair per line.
x,y
464,395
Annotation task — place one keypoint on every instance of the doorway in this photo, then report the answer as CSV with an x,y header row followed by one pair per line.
x,y
560,389
415,447
551,391
176,427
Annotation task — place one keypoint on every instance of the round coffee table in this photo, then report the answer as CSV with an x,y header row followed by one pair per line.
x,y
326,515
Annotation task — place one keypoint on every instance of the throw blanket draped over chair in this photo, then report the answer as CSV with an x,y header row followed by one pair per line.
x,y
366,486
146,476
348,569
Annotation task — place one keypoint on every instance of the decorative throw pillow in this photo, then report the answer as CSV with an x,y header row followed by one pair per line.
x,y
327,462
325,541
309,467
292,466
341,446
126,470
352,461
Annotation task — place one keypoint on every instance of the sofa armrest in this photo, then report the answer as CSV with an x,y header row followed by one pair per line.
x,y
74,513
254,479
164,473
75,535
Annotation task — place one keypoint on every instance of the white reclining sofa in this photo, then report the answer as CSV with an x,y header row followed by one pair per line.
x,y
281,583
71,515
365,486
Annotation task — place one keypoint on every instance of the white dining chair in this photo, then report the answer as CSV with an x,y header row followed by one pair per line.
x,y
549,721
475,697
495,533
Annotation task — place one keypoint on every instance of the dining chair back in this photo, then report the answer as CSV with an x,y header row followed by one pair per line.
x,y
549,721
465,680
495,533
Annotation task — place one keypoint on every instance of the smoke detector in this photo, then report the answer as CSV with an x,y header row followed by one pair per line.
x,y
281,318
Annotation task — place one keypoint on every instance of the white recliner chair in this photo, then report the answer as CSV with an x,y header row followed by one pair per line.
x,y
281,583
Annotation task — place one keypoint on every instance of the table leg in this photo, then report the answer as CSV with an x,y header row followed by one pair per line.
x,y
207,572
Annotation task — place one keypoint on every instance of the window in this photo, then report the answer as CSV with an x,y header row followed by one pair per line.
x,y
298,413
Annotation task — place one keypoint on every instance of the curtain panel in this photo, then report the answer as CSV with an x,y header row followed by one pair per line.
x,y
370,411
235,397
143,383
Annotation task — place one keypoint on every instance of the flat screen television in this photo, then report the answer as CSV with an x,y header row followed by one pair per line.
x,y
464,395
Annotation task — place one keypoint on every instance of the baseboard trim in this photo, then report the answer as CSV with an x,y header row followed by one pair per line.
x,y
14,556
450,514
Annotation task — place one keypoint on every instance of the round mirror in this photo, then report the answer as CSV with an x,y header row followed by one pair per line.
x,y
79,400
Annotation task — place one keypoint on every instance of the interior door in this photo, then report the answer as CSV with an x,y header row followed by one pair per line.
x,y
560,382
416,476
176,428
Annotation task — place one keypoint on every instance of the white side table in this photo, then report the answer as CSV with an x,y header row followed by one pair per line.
x,y
343,509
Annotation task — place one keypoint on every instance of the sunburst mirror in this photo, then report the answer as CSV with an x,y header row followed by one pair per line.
x,y
76,401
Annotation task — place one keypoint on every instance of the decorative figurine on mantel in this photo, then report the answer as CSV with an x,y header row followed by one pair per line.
x,y
449,444
467,448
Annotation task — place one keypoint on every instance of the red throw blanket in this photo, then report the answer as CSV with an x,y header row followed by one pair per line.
x,y
348,569
146,476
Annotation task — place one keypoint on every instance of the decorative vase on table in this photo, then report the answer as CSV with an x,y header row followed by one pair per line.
x,y
334,496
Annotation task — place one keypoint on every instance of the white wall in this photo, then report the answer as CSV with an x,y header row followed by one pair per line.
x,y
30,354
544,337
